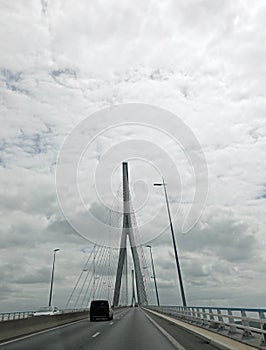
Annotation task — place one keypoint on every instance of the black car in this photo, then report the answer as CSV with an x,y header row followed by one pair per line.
x,y
100,309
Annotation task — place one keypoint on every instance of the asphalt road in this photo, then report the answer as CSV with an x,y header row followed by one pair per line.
x,y
130,329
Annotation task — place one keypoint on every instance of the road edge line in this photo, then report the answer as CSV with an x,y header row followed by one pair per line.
x,y
171,339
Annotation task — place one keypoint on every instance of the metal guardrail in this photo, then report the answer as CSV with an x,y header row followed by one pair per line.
x,y
17,315
245,325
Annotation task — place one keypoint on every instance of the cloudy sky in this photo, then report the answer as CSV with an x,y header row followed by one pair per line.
x,y
204,61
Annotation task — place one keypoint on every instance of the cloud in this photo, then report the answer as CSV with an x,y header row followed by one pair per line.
x,y
202,60
221,234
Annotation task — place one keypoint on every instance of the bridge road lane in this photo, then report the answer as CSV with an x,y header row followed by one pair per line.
x,y
130,330
134,332
68,337
137,332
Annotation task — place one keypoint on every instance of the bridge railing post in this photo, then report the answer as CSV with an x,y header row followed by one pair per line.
x,y
191,314
245,323
194,312
198,315
181,312
211,318
204,317
220,319
262,327
232,327
187,313
178,312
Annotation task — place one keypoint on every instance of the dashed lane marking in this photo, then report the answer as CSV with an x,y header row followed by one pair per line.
x,y
96,335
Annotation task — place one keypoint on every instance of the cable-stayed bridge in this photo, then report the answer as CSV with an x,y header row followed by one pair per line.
x,y
139,321
105,274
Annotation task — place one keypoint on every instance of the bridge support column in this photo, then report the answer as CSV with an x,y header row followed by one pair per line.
x,y
128,232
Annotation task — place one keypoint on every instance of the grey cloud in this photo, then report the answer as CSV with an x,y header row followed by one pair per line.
x,y
60,226
45,6
6,291
11,76
41,275
35,143
13,81
222,235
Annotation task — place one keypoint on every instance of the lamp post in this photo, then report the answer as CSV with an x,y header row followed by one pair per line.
x,y
52,279
154,276
174,243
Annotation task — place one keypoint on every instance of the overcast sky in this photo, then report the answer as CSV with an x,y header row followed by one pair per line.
x,y
202,60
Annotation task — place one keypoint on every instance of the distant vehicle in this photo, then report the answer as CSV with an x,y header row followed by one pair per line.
x,y
47,311
100,309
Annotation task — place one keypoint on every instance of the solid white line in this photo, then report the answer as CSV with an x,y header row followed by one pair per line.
x,y
172,340
39,332
95,335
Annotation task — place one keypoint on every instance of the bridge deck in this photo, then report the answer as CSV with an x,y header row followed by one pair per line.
x,y
131,329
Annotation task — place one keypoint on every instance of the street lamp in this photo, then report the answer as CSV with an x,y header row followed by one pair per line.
x,y
52,279
154,276
174,242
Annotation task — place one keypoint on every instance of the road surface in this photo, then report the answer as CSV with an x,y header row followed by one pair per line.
x,y
130,329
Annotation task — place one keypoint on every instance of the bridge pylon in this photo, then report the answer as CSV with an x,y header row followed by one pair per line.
x,y
127,232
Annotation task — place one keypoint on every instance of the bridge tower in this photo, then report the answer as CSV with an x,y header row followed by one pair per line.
x,y
127,232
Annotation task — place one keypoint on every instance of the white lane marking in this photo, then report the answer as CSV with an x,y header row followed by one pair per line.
x,y
40,332
111,323
172,340
95,335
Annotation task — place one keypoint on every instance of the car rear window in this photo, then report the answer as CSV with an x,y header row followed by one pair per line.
x,y
100,304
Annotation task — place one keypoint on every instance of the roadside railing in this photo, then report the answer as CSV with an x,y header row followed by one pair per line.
x,y
246,325
17,315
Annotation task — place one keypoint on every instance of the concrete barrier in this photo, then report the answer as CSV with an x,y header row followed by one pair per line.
x,y
15,328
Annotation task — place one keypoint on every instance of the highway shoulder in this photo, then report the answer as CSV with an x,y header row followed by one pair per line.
x,y
208,338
